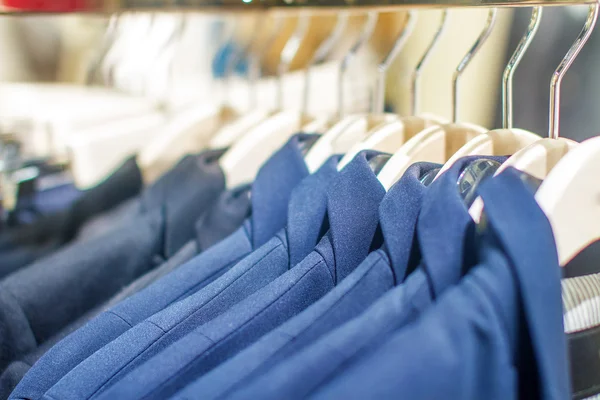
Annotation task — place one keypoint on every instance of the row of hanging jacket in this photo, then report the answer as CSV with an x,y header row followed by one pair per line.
x,y
279,254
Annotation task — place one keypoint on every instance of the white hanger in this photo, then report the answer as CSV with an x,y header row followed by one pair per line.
x,y
241,162
78,115
346,130
390,136
438,143
539,158
508,140
187,131
100,149
569,193
42,103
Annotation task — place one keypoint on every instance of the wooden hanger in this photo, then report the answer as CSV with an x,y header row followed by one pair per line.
x,y
569,193
390,136
243,159
508,140
438,143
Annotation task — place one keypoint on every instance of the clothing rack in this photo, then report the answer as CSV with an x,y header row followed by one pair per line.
x,y
117,6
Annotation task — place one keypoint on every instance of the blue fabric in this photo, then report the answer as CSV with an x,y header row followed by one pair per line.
x,y
222,219
278,176
352,207
56,199
250,274
43,202
398,213
41,299
445,240
22,245
497,335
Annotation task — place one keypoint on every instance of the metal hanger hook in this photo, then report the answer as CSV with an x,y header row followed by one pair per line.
x,y
289,52
513,63
564,65
109,38
323,52
226,36
419,68
382,68
363,38
237,55
483,36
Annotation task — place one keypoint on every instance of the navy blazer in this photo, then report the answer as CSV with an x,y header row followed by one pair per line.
x,y
380,271
270,195
352,209
251,273
497,335
445,242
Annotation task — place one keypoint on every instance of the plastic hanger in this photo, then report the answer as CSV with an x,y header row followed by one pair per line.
x,y
438,143
243,159
389,136
539,158
569,195
564,195
187,131
508,140
348,130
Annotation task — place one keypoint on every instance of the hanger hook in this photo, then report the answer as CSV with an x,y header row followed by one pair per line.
x,y
254,65
382,68
323,52
119,25
485,33
109,38
289,52
237,55
247,53
515,60
226,36
564,65
417,72
365,35
170,45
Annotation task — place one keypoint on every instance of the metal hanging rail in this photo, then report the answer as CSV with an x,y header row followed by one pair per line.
x,y
321,6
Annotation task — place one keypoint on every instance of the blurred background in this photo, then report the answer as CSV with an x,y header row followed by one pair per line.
x,y
179,57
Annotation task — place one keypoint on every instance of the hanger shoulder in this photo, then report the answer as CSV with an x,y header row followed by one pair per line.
x,y
353,125
435,144
386,137
569,196
498,142
243,159
230,132
94,154
185,133
430,144
540,157
536,159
